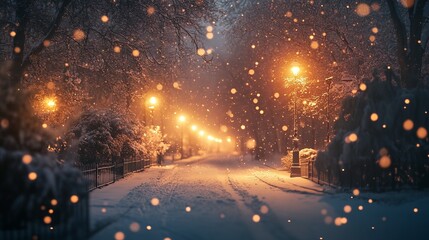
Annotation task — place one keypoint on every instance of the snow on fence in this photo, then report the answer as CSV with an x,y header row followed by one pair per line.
x,y
67,221
99,175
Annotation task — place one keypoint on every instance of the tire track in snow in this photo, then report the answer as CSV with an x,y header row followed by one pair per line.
x,y
284,181
287,190
269,221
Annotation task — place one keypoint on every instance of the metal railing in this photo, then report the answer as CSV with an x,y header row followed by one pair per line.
x,y
309,171
99,175
67,220
364,175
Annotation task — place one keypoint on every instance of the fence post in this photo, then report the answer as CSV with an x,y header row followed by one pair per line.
x,y
123,168
114,171
96,175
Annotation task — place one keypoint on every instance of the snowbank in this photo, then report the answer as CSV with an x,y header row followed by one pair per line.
x,y
305,155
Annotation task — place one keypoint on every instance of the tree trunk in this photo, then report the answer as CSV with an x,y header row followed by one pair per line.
x,y
20,52
18,44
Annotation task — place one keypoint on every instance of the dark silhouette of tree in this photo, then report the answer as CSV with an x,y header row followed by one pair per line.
x,y
410,20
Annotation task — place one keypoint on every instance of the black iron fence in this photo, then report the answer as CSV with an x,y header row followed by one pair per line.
x,y
308,170
65,220
367,176
99,175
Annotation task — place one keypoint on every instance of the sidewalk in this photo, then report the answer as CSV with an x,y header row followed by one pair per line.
x,y
105,204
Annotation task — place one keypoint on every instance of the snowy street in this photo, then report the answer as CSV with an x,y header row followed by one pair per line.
x,y
231,197
185,120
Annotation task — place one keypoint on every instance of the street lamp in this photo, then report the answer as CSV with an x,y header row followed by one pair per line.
x,y
194,128
181,119
295,168
295,70
50,104
152,102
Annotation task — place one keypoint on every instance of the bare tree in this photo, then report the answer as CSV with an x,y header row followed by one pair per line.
x,y
151,31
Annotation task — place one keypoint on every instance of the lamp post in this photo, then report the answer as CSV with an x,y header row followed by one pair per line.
x,y
295,170
181,120
311,105
194,128
329,83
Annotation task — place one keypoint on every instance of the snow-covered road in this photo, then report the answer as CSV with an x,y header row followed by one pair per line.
x,y
231,197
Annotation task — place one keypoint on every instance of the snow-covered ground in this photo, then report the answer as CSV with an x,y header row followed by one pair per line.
x,y
231,197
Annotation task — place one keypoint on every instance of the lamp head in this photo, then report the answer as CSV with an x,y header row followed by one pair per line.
x,y
182,119
295,70
153,100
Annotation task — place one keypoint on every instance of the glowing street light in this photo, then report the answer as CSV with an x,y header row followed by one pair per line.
x,y
50,103
295,70
194,128
201,133
295,168
151,103
181,119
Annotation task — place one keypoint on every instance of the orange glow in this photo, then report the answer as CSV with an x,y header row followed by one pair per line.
x,y
104,18
385,162
74,199
256,218
408,125
422,133
154,201
201,52
295,70
374,117
32,176
181,118
49,104
26,159
152,101
47,220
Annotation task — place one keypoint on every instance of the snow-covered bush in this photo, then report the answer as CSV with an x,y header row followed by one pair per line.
x,y
152,141
381,138
31,185
287,161
103,136
30,177
305,155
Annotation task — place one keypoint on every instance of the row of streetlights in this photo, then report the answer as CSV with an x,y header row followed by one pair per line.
x,y
182,119
50,105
